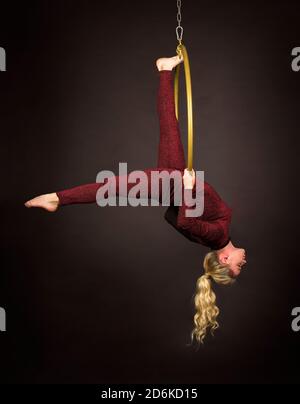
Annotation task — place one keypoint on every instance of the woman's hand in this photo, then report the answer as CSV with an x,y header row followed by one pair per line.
x,y
189,179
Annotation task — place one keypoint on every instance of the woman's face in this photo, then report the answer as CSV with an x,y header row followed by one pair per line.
x,y
236,260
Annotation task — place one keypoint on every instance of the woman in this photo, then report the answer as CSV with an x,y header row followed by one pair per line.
x,y
224,262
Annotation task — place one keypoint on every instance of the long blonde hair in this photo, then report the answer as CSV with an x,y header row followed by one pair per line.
x,y
205,299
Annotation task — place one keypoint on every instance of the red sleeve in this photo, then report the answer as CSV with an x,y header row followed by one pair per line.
x,y
215,230
209,231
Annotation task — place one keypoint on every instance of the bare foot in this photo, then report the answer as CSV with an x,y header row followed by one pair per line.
x,y
49,202
168,63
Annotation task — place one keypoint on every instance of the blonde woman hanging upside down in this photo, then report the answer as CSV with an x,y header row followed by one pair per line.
x,y
224,261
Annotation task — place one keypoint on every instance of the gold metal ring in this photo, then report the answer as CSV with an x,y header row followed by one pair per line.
x,y
181,51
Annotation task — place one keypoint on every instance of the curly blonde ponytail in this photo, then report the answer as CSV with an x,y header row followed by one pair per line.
x,y
205,299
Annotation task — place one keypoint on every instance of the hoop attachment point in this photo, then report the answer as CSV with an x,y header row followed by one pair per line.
x,y
179,51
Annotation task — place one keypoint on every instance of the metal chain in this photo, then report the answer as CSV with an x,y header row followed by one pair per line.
x,y
179,29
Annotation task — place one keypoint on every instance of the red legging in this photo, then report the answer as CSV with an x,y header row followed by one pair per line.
x,y
170,154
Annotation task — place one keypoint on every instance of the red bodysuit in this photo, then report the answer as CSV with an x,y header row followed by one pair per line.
x,y
211,229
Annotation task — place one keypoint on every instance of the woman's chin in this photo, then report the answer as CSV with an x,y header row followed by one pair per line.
x,y
234,273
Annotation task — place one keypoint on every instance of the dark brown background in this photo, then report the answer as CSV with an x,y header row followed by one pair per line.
x,y
105,295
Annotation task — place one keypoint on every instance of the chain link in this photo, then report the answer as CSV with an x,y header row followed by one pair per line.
x,y
179,29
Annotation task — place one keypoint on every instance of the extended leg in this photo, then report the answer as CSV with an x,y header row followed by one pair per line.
x,y
87,193
171,153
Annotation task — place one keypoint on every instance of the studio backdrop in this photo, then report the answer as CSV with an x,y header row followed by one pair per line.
x,y
105,295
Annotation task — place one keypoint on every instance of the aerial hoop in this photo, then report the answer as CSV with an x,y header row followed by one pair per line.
x,y
182,52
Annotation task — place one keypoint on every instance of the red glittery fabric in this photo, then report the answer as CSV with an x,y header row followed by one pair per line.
x,y
211,229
